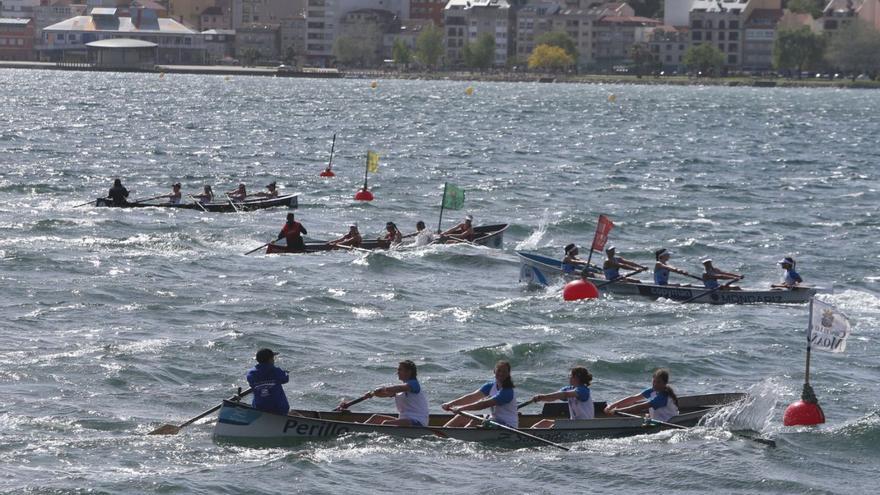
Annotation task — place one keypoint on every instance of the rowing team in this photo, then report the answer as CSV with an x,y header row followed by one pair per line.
x,y
292,231
710,276
498,396
118,194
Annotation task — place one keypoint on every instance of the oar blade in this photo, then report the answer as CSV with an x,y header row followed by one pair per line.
x,y
166,429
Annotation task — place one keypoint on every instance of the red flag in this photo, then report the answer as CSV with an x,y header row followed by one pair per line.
x,y
602,230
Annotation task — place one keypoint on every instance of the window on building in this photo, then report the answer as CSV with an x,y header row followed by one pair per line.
x,y
697,24
732,47
721,24
731,59
733,36
733,25
669,58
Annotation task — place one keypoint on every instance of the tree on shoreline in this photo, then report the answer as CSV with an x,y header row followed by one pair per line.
x,y
429,46
706,58
481,53
547,57
856,50
560,39
797,49
401,53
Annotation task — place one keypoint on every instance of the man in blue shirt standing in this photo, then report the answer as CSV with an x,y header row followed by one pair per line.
x,y
266,380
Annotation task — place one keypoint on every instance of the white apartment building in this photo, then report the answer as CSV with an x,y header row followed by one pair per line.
x,y
466,20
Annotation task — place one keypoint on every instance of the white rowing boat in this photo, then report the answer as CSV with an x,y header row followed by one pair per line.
x,y
536,269
241,423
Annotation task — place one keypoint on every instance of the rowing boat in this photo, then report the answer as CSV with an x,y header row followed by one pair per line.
x,y
241,423
289,200
484,235
536,269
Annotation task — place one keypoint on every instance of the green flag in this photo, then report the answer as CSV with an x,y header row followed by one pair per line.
x,y
453,198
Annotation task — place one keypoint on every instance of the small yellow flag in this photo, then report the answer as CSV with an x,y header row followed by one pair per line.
x,y
372,161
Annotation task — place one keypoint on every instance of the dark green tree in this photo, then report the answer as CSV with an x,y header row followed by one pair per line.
x,y
797,49
429,46
642,59
856,49
560,39
706,58
812,7
401,53
481,53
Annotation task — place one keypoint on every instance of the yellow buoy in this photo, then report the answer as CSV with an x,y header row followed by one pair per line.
x,y
612,98
469,91
374,85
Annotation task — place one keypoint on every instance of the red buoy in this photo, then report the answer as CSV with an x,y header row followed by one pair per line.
x,y
803,413
363,195
579,289
327,173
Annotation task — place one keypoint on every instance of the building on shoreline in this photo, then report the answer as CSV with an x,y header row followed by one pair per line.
x,y
466,20
16,39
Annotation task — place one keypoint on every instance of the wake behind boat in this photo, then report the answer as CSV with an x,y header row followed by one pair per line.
x,y
539,270
484,235
238,422
229,206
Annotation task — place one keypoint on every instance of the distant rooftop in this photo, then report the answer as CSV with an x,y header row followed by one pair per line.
x,y
120,25
14,22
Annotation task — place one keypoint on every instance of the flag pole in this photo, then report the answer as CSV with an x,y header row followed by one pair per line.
x,y
442,203
808,395
366,169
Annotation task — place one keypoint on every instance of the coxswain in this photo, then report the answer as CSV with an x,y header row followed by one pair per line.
x,y
497,395
174,196
265,379
206,197
463,231
791,278
613,264
272,191
409,397
351,239
292,232
392,234
662,268
577,394
238,194
571,263
712,275
118,194
423,235
659,401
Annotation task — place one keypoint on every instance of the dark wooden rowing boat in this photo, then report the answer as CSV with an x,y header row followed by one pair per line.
x,y
289,201
484,235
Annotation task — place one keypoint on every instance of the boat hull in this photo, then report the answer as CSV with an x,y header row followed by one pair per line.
x,y
484,235
540,270
241,423
290,201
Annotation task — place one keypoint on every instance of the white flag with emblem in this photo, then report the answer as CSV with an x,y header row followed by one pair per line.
x,y
829,328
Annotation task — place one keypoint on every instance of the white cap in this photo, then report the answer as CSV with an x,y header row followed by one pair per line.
x,y
469,218
706,260
353,224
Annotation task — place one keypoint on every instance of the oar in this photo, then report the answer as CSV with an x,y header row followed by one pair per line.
x,y
764,441
710,291
90,202
526,403
351,248
257,249
514,430
198,203
168,429
630,274
346,405
232,203
149,199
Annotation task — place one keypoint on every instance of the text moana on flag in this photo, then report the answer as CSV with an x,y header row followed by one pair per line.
x,y
828,328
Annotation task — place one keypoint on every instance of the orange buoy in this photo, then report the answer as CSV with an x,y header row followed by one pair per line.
x,y
363,195
579,289
802,413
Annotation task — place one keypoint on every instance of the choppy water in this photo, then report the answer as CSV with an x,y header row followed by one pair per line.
x,y
117,321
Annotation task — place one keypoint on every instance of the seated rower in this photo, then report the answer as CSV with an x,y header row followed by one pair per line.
x,y
206,197
174,197
392,234
351,239
662,267
791,278
613,264
410,399
292,232
577,393
659,401
239,193
463,231
712,275
497,395
266,380
423,235
118,194
272,191
571,263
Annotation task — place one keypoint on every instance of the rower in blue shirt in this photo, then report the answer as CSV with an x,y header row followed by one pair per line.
x,y
791,278
266,380
662,268
712,275
577,393
613,264
498,396
571,263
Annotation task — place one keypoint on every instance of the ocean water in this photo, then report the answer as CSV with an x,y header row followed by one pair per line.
x,y
116,321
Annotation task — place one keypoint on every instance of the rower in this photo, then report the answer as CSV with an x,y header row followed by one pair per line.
x,y
351,239
791,278
239,193
712,275
497,394
410,399
463,231
272,191
423,235
293,231
118,194
266,380
613,264
206,197
571,263
174,196
659,400
392,234
577,393
662,268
